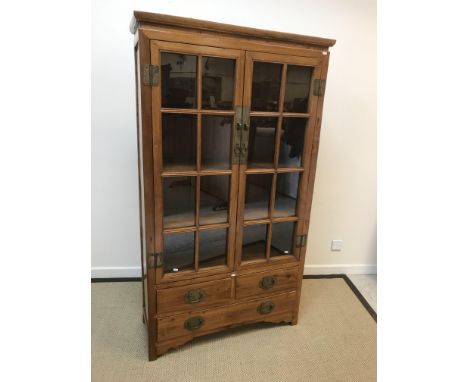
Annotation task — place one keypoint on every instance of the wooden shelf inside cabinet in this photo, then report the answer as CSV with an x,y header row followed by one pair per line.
x,y
228,134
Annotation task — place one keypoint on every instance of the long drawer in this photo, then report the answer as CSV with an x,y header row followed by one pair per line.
x,y
194,296
263,283
197,323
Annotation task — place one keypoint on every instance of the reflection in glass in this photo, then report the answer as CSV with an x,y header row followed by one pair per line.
x,y
296,97
287,185
178,80
261,142
254,242
282,239
216,142
179,251
212,247
218,83
179,154
214,199
266,84
257,196
292,142
179,201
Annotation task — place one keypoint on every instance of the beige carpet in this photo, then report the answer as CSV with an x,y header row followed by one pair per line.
x,y
335,340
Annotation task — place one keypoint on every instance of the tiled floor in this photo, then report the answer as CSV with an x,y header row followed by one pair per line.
x,y
367,285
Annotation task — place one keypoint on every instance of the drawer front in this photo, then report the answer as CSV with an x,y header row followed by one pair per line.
x,y
197,323
194,296
259,284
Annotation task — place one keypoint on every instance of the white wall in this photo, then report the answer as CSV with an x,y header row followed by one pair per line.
x,y
344,205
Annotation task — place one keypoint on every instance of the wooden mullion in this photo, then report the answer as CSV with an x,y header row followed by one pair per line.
x,y
196,259
197,218
168,174
276,158
215,226
170,110
289,169
260,171
296,115
199,82
180,229
217,112
216,172
199,144
268,241
279,219
264,113
284,74
256,222
283,219
199,148
271,207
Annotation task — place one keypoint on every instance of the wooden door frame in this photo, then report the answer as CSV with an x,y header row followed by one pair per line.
x,y
156,47
315,60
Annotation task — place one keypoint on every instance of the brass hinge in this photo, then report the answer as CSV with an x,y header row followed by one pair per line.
x,y
240,143
154,260
319,87
151,75
301,241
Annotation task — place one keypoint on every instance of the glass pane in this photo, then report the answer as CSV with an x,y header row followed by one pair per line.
x,y
179,251
179,154
216,142
178,80
296,97
282,239
212,248
266,83
287,185
218,83
257,196
292,142
254,242
262,142
179,201
214,199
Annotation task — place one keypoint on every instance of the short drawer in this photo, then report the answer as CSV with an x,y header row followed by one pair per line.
x,y
194,296
197,323
259,284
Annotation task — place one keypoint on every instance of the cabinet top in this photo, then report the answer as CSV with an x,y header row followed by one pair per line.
x,y
158,19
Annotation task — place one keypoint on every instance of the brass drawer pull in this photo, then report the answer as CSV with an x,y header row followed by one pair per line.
x,y
194,295
194,323
268,282
265,307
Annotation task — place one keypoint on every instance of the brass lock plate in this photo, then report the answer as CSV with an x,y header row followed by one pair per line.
x,y
240,141
268,282
266,307
194,296
194,323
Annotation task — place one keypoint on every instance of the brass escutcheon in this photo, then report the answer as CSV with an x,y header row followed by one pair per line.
x,y
194,295
265,307
194,323
268,282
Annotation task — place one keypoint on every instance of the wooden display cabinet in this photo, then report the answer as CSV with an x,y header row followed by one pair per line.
x,y
228,135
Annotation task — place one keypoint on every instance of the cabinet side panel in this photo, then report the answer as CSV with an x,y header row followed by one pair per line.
x,y
141,185
311,175
147,184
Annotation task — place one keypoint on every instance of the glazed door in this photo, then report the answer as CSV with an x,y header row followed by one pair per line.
x,y
196,171
277,130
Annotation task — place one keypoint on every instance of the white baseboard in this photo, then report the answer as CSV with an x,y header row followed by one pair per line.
x,y
115,272
349,269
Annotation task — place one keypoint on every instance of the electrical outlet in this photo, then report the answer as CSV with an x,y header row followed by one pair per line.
x,y
336,245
